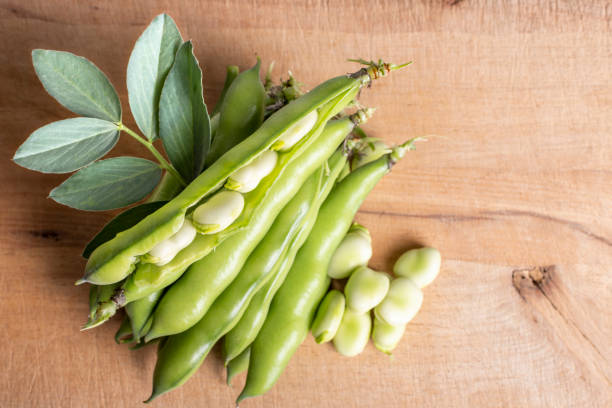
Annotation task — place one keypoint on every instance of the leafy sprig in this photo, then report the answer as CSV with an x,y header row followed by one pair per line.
x,y
164,80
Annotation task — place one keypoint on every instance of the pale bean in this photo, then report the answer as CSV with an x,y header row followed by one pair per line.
x,y
365,289
353,333
354,250
401,304
166,250
385,336
219,212
328,317
421,265
248,177
296,132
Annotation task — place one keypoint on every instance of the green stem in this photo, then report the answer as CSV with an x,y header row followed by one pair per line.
x,y
163,163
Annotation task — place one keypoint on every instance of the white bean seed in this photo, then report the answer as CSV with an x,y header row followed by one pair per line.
x,y
328,317
248,177
365,289
219,212
296,132
385,336
353,333
354,250
421,265
401,304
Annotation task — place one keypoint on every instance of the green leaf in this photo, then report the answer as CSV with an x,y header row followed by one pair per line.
x,y
184,125
67,145
149,64
121,222
108,184
77,84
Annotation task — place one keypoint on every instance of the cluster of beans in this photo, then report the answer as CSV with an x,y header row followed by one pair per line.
x,y
345,317
247,250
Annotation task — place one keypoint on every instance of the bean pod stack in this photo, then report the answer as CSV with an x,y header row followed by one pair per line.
x,y
249,213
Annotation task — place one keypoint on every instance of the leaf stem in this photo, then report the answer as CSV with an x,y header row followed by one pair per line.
x,y
163,163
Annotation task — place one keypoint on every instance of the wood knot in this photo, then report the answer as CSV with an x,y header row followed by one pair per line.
x,y
534,277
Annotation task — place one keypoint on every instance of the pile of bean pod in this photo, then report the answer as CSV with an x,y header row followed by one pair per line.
x,y
241,245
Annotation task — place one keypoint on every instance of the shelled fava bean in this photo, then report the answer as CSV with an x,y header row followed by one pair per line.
x,y
354,250
248,177
365,289
219,212
296,132
420,265
163,252
328,317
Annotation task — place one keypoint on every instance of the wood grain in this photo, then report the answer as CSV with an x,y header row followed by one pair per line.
x,y
515,190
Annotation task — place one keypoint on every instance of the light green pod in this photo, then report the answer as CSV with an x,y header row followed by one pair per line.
x,y
369,149
401,304
354,250
124,333
365,289
238,365
98,294
93,300
353,333
385,336
328,317
420,265
139,313
219,212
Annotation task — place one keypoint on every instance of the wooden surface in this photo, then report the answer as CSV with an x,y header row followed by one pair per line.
x,y
516,192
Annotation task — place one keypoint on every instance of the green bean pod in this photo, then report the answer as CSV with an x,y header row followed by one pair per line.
x,y
188,299
99,294
167,188
140,311
238,365
245,331
93,300
240,114
116,259
149,278
370,149
231,72
294,305
184,353
124,332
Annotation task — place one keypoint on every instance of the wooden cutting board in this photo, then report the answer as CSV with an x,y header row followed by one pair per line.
x,y
514,187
